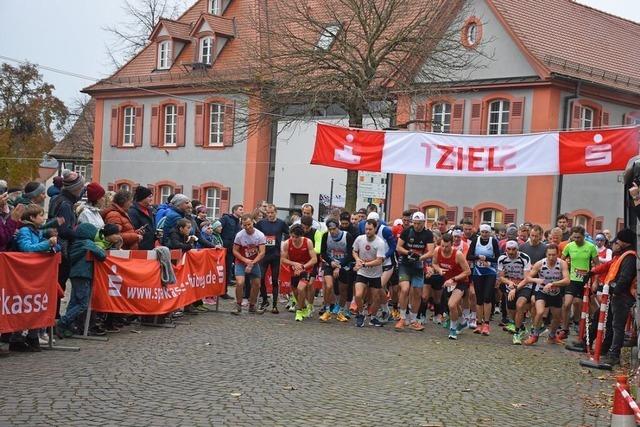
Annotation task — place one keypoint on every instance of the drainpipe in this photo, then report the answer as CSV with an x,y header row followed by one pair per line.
x,y
566,120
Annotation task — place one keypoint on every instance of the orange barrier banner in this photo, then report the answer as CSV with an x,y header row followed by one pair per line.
x,y
28,290
133,286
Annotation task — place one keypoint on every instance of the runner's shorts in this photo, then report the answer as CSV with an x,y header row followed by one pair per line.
x,y
371,282
520,293
411,274
554,301
255,272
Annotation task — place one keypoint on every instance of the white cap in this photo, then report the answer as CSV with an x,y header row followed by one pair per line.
x,y
397,222
485,227
457,233
511,244
373,215
417,216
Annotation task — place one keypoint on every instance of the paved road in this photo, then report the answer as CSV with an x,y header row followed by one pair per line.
x,y
268,370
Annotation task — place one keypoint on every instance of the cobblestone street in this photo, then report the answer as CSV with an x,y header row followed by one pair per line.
x,y
268,370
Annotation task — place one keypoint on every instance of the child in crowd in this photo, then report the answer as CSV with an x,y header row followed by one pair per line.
x,y
81,276
180,238
109,237
31,239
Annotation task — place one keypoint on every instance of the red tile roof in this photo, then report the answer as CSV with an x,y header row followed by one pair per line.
x,y
77,144
218,25
176,29
578,41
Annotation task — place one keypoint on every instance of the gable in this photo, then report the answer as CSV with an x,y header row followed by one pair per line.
x,y
497,56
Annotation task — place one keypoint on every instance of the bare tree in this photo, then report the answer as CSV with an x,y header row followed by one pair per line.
x,y
359,55
132,35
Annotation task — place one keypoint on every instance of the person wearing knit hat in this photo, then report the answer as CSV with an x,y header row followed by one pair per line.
x,y
141,193
180,208
624,266
179,199
91,210
201,215
95,192
34,192
72,182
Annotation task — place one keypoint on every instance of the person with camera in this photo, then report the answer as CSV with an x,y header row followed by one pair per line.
x,y
414,246
142,217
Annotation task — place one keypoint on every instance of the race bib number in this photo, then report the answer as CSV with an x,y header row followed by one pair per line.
x,y
250,251
482,264
580,274
271,240
552,292
337,255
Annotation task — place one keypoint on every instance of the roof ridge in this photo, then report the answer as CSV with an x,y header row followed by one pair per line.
x,y
613,15
187,11
172,20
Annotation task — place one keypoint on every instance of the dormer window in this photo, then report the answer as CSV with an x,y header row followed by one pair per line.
x,y
206,49
215,7
164,55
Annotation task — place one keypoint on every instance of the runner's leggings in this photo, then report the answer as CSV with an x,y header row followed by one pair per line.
x,y
485,288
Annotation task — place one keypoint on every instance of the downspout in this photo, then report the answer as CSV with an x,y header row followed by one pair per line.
x,y
566,120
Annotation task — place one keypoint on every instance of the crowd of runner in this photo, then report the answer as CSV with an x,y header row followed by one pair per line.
x,y
372,273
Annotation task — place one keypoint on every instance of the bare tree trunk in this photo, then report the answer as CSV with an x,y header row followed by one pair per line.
x,y
351,197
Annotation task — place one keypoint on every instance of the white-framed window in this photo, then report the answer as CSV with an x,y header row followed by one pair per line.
x,y
441,118
215,7
492,217
124,186
216,124
129,126
170,117
431,214
498,118
212,202
328,36
581,220
165,192
81,169
206,50
586,118
472,34
164,55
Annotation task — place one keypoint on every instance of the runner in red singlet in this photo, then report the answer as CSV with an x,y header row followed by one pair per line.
x,y
298,253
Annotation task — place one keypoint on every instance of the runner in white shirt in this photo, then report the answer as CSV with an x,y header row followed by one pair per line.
x,y
248,250
369,254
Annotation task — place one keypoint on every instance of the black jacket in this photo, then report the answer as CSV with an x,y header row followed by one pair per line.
x,y
62,206
139,218
178,241
230,227
626,274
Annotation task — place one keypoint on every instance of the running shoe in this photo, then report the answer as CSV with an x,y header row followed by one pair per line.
x,y
486,329
446,323
517,338
237,311
438,319
395,314
326,316
308,311
347,314
462,326
472,323
255,310
336,309
299,315
562,334
360,321
245,302
478,329
416,326
341,317
496,310
201,308
274,310
453,334
375,322
510,327
531,340
399,326
264,304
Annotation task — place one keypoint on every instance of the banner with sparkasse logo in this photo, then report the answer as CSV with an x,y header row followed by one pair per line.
x,y
437,154
28,290
130,285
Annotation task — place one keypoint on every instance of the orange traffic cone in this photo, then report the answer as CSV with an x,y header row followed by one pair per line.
x,y
621,414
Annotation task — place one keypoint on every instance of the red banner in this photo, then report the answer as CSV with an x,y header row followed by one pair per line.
x,y
597,150
133,285
348,148
28,290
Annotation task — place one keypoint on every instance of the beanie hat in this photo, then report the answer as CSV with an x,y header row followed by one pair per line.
x,y
627,236
33,189
141,193
179,199
201,208
94,192
216,224
53,191
72,181
57,181
110,229
204,226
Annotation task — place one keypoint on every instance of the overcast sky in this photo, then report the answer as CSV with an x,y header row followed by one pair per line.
x,y
69,35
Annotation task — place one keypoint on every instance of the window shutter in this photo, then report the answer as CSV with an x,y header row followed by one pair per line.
x,y
457,118
476,117
111,187
421,117
195,193
224,200
178,189
114,130
452,213
139,121
575,115
510,216
180,126
599,224
155,126
199,125
467,213
605,118
516,122
229,123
